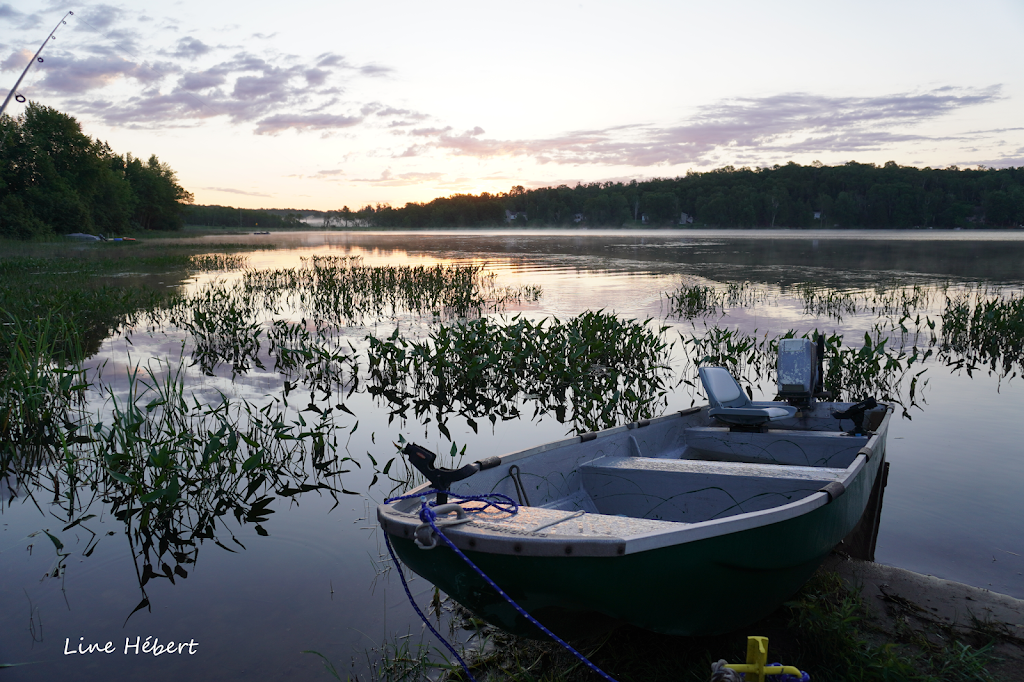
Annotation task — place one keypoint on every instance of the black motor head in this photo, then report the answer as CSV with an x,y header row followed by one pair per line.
x,y
856,413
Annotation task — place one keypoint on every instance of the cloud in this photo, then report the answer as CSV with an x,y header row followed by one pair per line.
x,y
429,132
100,17
201,80
407,116
375,70
191,48
328,174
276,95
68,75
787,123
386,179
24,21
9,13
304,122
415,150
328,59
271,91
1014,159
230,190
16,61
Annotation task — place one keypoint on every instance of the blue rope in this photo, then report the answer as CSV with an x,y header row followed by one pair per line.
x,y
412,601
427,515
791,678
508,505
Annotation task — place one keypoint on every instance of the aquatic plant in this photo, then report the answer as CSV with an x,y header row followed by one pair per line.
x,y
698,300
984,329
206,262
341,291
223,326
591,371
827,302
319,364
42,388
173,469
851,373
701,300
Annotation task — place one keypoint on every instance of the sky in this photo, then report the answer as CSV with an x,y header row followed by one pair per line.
x,y
321,105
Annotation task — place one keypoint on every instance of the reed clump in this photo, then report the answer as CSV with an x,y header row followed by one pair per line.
x,y
690,301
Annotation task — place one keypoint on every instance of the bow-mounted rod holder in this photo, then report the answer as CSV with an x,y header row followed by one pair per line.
x,y
441,479
856,414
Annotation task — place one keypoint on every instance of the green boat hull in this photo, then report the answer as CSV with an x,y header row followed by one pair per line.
x,y
703,587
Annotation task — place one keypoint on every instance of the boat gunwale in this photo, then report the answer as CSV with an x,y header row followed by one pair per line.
x,y
401,518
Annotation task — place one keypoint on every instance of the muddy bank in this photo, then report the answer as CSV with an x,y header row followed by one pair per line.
x,y
907,605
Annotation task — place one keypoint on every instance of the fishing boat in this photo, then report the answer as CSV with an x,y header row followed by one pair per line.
x,y
693,523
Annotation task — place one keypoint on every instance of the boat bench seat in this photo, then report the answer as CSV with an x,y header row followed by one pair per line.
x,y
781,446
691,491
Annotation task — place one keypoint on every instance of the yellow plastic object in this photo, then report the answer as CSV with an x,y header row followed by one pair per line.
x,y
757,662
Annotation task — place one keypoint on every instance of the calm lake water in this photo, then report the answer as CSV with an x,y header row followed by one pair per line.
x,y
319,580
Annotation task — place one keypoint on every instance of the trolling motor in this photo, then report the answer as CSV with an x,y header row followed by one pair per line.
x,y
856,414
441,479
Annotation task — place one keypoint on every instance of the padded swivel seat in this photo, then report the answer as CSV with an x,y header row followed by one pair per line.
x,y
731,405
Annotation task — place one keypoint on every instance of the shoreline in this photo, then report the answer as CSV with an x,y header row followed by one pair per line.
x,y
904,604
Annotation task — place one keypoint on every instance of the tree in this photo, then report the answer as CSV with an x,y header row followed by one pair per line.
x,y
661,207
158,194
56,179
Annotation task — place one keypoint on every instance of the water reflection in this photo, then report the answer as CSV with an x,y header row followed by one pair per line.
x,y
307,394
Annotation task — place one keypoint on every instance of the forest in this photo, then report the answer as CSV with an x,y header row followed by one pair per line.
x,y
55,179
848,195
229,216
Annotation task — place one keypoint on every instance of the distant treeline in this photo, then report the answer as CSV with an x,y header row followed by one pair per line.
x,y
54,179
228,216
850,195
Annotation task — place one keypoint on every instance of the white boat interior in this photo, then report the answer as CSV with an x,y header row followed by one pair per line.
x,y
641,485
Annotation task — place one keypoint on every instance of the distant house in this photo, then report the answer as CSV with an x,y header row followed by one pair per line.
x,y
643,218
817,215
513,216
577,218
685,219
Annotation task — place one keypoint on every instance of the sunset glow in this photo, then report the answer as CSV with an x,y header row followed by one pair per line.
x,y
332,104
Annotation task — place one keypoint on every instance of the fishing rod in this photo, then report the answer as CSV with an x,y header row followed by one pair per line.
x,y
35,58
